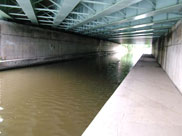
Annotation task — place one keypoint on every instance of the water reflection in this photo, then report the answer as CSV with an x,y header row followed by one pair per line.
x,y
1,119
1,108
58,99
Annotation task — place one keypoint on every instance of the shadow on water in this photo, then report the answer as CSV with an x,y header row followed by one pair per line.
x,y
58,99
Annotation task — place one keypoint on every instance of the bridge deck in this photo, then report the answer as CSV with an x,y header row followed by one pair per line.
x,y
145,104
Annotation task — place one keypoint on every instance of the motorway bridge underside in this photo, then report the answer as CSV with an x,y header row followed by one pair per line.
x,y
112,20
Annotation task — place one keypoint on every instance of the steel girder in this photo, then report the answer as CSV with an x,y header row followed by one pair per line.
x,y
66,7
28,9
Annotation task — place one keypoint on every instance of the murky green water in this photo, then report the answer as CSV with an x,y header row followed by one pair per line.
x,y
58,99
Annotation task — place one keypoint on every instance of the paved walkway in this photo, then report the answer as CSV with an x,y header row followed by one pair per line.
x,y
145,104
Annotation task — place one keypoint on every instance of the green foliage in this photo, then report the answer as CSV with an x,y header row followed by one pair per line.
x,y
130,47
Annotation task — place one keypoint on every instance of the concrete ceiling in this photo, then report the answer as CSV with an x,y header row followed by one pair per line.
x,y
106,19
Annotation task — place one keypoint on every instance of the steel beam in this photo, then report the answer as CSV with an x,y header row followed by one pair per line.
x,y
134,37
23,19
114,8
4,15
9,6
95,2
46,9
17,14
155,29
66,7
26,6
141,16
142,31
146,34
142,25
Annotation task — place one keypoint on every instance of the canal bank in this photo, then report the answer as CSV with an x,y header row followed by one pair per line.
x,y
145,104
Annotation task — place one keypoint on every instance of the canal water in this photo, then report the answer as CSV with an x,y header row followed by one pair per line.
x,y
59,99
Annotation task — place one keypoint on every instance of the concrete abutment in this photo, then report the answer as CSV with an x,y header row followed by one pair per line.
x,y
22,45
168,52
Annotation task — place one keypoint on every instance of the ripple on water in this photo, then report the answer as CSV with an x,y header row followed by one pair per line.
x,y
59,99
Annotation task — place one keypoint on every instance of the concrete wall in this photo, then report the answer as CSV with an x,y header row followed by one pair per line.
x,y
22,45
168,51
